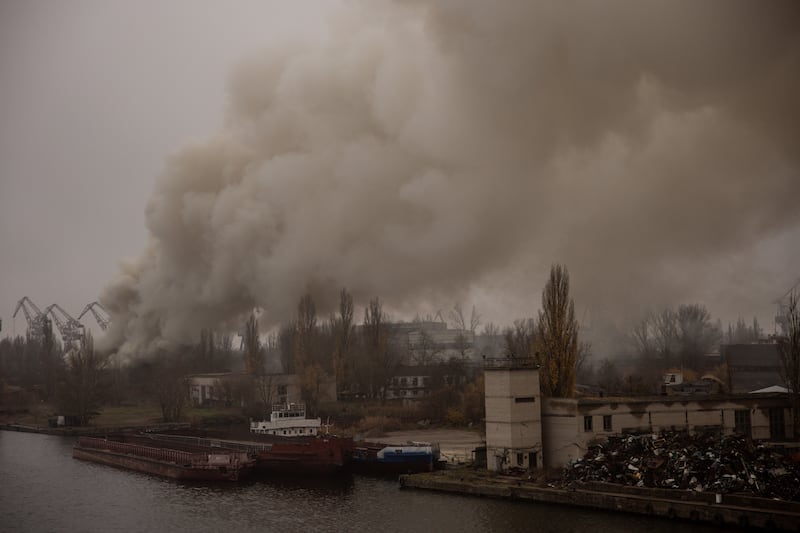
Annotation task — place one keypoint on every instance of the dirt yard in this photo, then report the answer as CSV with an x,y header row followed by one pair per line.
x,y
456,445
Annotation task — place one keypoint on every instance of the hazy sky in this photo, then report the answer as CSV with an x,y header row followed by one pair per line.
x,y
94,95
240,153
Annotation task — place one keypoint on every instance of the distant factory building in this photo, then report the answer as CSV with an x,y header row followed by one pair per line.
x,y
226,388
752,366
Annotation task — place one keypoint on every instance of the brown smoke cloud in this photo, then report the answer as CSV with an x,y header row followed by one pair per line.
x,y
419,151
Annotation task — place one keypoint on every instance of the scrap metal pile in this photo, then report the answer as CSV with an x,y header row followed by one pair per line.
x,y
678,460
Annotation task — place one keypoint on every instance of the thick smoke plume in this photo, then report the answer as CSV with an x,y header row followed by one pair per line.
x,y
420,151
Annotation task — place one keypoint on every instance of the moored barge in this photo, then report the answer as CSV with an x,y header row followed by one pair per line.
x,y
169,459
391,459
318,455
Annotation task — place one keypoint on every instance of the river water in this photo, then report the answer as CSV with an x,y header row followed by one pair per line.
x,y
42,488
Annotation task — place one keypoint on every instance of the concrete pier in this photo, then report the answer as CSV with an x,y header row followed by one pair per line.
x,y
732,510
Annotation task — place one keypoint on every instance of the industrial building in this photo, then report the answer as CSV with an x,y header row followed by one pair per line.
x,y
526,431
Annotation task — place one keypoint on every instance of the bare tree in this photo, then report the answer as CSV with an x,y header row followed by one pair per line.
x,y
264,390
520,339
557,332
305,333
425,351
697,335
584,353
457,317
382,360
459,321
789,345
171,386
665,329
643,339
674,338
310,384
494,342
463,342
286,335
49,359
84,386
743,333
344,338
253,355
224,352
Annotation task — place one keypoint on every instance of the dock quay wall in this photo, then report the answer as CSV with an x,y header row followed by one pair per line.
x,y
733,510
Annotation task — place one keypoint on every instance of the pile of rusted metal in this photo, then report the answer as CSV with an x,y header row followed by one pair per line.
x,y
700,462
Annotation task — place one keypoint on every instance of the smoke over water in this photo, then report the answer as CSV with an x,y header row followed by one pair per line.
x,y
419,152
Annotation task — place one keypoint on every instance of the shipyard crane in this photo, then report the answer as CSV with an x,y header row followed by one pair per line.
x,y
783,308
37,321
72,331
102,319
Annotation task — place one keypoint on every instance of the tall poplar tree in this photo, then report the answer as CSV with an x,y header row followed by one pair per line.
x,y
557,336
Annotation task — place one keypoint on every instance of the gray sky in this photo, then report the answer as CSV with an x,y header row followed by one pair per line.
x,y
423,153
94,95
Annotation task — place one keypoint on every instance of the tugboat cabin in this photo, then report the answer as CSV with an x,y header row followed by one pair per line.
x,y
287,420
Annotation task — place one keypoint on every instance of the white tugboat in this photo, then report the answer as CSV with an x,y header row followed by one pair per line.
x,y
287,420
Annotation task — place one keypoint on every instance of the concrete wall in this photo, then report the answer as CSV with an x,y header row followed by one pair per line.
x,y
513,418
695,414
560,439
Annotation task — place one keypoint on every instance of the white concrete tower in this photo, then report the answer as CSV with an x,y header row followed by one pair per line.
x,y
513,414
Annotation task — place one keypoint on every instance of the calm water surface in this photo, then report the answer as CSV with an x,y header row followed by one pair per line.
x,y
42,488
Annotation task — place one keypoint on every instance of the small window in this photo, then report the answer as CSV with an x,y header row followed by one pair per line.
x,y
520,459
525,399
414,382
777,423
403,382
741,422
587,423
606,422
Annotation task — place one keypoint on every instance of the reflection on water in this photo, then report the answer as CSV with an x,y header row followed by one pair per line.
x,y
43,489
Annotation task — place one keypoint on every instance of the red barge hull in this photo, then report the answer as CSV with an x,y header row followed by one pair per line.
x,y
321,455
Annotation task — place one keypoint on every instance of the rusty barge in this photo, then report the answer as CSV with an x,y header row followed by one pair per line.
x,y
277,455
180,461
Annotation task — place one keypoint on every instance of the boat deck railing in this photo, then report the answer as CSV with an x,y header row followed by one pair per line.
x,y
158,454
225,444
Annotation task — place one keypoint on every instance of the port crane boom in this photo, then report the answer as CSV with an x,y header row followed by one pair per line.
x,y
102,321
71,330
37,321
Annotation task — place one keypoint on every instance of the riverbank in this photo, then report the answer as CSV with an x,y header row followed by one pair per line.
x,y
89,431
722,510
